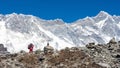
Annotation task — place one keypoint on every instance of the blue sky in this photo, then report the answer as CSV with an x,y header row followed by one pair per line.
x,y
68,10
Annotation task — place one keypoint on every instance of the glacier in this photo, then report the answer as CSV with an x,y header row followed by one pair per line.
x,y
19,30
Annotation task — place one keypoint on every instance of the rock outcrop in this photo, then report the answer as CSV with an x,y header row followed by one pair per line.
x,y
3,50
105,54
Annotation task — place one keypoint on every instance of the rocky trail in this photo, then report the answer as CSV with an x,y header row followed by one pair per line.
x,y
91,56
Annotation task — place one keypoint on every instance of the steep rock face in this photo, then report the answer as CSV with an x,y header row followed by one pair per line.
x,y
18,30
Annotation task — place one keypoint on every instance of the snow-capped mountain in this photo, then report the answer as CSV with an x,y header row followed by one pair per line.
x,y
19,30
100,28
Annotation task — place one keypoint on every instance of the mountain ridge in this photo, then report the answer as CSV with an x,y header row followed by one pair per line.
x,y
20,30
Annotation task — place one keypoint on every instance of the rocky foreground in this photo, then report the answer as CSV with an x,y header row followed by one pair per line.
x,y
91,56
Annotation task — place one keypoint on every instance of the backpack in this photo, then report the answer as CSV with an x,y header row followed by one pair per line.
x,y
30,45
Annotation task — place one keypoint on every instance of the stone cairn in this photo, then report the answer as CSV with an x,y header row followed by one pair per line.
x,y
48,49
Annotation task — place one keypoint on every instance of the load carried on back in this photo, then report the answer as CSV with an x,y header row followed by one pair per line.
x,y
30,47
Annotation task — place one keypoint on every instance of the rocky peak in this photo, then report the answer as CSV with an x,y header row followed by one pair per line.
x,y
103,13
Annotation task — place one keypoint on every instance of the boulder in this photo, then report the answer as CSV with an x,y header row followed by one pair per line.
x,y
117,56
90,45
112,41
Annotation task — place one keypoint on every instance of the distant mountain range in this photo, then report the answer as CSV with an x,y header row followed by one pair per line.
x,y
19,30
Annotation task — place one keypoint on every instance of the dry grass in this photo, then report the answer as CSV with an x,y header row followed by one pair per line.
x,y
29,60
70,58
66,57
